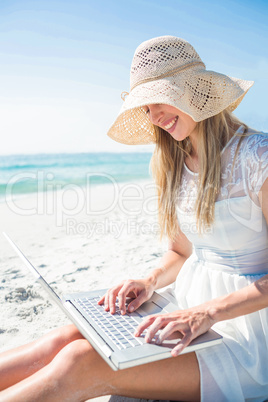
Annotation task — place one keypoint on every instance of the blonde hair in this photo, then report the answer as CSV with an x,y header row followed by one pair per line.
x,y
167,165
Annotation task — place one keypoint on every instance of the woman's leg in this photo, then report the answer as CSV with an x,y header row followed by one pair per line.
x,y
78,373
22,362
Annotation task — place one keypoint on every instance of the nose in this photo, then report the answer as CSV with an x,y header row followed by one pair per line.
x,y
155,113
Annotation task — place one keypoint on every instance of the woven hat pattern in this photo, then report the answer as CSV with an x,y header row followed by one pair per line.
x,y
168,70
159,58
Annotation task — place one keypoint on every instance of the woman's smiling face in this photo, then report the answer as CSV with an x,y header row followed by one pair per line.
x,y
177,123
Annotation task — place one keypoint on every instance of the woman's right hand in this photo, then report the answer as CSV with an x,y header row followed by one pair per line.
x,y
140,290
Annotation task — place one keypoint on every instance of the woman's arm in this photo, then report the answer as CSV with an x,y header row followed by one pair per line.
x,y
244,301
252,298
197,320
142,289
178,252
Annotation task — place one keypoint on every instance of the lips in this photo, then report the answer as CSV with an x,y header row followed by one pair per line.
x,y
170,123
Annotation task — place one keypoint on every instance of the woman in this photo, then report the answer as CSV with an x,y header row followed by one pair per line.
x,y
211,172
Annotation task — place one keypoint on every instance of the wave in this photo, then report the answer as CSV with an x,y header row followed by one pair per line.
x,y
25,174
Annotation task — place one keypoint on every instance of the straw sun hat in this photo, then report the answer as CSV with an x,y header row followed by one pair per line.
x,y
168,70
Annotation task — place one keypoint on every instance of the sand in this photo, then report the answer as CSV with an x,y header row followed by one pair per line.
x,y
79,239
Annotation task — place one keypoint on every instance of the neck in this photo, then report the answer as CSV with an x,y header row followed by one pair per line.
x,y
192,160
194,142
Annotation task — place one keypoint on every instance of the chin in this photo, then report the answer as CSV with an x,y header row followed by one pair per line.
x,y
178,137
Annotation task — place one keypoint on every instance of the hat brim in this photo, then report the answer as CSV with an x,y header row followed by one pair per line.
x,y
199,93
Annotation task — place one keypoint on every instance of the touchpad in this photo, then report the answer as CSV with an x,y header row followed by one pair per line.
x,y
149,308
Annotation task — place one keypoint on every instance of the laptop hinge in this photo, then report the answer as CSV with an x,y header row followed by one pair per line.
x,y
106,350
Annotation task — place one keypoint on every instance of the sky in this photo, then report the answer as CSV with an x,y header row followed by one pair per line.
x,y
64,63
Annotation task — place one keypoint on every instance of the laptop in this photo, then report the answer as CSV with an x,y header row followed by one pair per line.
x,y
112,335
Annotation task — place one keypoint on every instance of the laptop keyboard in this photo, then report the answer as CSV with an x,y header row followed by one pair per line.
x,y
119,328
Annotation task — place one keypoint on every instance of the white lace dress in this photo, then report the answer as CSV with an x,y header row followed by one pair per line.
x,y
228,257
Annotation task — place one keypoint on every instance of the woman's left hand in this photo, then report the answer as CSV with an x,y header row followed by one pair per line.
x,y
189,323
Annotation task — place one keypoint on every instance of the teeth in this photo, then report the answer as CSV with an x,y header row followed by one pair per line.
x,y
168,126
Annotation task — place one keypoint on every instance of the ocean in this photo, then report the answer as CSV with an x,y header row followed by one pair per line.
x,y
24,174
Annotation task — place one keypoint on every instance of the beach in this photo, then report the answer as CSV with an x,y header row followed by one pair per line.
x,y
75,247
79,239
